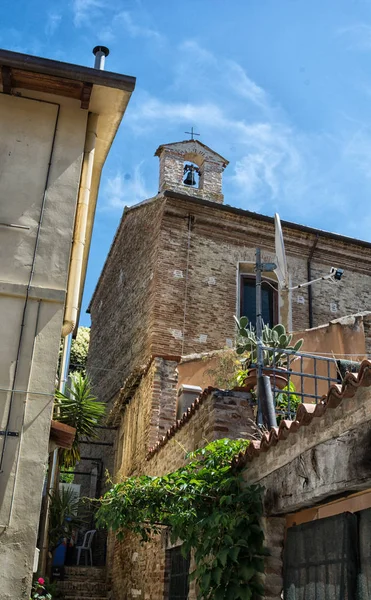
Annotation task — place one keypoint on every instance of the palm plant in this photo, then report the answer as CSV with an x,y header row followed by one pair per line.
x,y
63,517
80,409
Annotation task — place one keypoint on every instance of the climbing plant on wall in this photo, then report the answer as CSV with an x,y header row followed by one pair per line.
x,y
206,505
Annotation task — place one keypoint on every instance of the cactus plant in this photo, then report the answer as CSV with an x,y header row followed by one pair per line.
x,y
274,338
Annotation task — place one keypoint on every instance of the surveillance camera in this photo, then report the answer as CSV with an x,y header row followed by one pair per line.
x,y
337,273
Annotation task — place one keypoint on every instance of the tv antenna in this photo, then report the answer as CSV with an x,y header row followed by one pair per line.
x,y
265,398
281,266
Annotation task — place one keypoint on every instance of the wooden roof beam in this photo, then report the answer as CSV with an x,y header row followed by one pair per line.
x,y
85,95
6,78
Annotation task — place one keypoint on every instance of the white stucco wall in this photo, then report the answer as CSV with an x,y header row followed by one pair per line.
x,y
26,136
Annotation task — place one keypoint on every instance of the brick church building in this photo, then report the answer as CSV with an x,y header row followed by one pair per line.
x,y
180,267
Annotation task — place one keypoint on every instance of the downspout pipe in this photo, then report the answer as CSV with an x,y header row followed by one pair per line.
x,y
79,239
309,278
52,479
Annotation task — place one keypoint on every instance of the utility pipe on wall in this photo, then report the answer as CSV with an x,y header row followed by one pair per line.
x,y
309,276
79,239
53,471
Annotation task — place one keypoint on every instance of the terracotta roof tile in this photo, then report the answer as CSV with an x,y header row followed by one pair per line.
x,y
304,415
307,412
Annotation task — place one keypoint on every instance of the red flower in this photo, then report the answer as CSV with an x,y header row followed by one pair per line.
x,y
41,581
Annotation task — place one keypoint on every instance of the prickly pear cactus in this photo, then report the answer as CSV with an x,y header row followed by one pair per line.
x,y
274,339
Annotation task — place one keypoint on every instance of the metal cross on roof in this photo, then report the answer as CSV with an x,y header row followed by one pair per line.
x,y
192,133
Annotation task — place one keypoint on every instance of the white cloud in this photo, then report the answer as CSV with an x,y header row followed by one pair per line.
x,y
274,165
53,21
357,35
244,86
135,29
230,73
85,10
358,150
123,20
124,190
150,111
268,152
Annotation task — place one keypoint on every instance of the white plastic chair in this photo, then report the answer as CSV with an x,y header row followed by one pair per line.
x,y
86,545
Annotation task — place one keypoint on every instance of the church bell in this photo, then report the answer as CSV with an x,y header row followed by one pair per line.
x,y
190,178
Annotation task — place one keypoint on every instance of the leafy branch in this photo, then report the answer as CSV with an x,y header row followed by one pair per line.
x,y
207,505
79,408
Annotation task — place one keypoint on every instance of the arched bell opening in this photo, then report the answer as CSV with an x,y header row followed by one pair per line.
x,y
191,175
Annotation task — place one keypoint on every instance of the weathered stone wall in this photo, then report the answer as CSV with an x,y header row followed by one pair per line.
x,y
134,436
121,309
194,313
351,413
221,415
274,531
170,285
140,570
211,167
324,460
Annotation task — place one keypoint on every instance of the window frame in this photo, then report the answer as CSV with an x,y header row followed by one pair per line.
x,y
275,294
168,568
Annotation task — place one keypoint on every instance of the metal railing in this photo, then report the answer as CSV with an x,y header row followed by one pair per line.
x,y
306,378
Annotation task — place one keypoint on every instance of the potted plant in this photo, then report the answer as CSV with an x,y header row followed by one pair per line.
x,y
63,516
274,339
39,590
80,409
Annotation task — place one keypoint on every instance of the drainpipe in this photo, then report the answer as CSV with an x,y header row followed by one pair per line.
x,y
309,278
78,244
53,470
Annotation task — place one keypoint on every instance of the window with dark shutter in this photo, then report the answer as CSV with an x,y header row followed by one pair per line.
x,y
178,575
248,301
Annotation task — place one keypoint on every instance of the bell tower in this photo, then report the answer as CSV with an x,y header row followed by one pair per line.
x,y
191,168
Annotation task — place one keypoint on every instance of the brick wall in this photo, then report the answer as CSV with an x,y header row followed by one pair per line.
x,y
170,284
170,288
213,249
211,165
137,424
121,309
274,531
140,570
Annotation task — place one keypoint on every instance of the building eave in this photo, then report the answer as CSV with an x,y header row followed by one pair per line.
x,y
68,71
101,92
160,149
230,210
265,218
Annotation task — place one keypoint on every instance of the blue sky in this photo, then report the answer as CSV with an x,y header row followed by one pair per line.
x,y
282,88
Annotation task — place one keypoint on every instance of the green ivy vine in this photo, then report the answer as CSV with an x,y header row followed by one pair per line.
x,y
207,506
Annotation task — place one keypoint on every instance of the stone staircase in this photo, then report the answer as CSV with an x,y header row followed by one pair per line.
x,y
84,582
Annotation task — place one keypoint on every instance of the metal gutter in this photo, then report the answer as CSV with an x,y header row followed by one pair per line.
x,y
74,287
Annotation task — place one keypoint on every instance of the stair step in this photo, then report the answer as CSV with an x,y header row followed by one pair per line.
x,y
86,573
81,585
78,596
